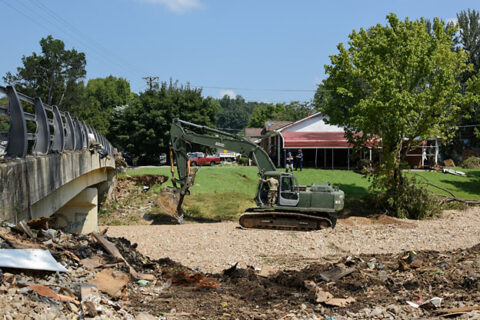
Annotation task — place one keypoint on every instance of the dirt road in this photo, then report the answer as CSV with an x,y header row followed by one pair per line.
x,y
213,247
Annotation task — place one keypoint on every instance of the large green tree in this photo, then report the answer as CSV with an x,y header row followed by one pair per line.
x,y
99,98
143,128
397,83
469,40
54,74
234,113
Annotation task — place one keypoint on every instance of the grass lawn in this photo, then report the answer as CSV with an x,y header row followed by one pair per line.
x,y
224,192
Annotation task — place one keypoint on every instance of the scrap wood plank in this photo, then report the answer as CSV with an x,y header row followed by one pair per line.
x,y
17,243
113,250
110,247
456,311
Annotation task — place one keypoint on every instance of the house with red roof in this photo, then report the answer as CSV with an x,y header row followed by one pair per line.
x,y
325,146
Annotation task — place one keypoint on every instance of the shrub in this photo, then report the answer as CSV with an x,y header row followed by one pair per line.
x,y
413,201
471,163
242,160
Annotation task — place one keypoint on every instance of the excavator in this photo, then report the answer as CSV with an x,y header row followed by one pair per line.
x,y
297,207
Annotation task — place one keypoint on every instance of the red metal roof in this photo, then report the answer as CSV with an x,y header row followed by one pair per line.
x,y
315,140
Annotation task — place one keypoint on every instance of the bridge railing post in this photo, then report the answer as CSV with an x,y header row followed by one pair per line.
x,y
42,131
67,134
17,133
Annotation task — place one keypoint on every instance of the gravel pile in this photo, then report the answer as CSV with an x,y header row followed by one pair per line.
x,y
212,247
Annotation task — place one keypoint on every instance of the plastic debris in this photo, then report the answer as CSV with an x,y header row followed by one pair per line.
x,y
32,259
143,283
336,273
454,172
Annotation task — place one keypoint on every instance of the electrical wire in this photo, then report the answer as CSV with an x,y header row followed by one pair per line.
x,y
32,16
98,51
86,38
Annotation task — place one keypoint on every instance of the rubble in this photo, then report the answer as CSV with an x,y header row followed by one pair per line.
x,y
108,278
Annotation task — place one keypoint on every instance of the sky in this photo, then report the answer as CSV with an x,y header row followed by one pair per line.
x,y
264,50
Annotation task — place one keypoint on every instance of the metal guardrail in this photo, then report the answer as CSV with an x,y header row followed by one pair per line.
x,y
68,133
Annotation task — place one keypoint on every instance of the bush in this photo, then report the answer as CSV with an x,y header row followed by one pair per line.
x,y
471,163
412,201
242,160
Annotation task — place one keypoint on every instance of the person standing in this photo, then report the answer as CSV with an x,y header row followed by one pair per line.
x,y
289,162
299,158
272,183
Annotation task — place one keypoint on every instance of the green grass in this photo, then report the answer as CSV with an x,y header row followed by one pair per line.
x,y
462,187
223,193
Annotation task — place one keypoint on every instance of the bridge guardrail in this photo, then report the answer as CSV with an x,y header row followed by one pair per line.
x,y
53,134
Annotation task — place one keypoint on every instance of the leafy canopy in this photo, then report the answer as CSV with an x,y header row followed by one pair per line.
x,y
143,128
52,75
399,83
396,82
292,111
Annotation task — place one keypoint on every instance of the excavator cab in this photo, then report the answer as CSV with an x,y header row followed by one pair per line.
x,y
288,191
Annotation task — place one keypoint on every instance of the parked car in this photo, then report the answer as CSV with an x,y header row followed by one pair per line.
x,y
201,159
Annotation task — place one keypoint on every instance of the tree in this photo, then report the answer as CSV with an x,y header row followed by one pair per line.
x,y
143,128
292,111
262,113
397,83
469,39
53,75
233,114
99,98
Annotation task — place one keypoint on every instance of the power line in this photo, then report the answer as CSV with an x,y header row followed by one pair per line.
x,y
74,30
259,89
31,15
98,51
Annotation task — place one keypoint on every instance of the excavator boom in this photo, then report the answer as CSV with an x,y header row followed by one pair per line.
x,y
295,209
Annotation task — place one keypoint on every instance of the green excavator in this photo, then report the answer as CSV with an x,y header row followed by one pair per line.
x,y
297,207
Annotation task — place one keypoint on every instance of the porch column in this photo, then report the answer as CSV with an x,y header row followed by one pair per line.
x,y
370,154
348,158
278,150
332,157
316,151
424,153
436,152
325,158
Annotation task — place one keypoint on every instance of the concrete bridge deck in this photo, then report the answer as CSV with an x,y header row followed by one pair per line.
x,y
60,169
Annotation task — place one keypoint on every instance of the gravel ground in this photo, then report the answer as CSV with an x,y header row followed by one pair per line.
x,y
214,246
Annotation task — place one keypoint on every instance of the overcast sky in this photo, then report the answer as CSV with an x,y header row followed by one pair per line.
x,y
271,47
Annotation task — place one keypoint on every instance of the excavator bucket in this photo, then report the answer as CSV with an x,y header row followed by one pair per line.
x,y
170,201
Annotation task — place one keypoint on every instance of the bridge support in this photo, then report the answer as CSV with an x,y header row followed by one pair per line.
x,y
79,215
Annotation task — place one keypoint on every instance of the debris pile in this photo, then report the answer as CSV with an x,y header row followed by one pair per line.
x,y
132,201
48,274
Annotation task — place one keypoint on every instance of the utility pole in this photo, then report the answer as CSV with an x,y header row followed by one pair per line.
x,y
150,80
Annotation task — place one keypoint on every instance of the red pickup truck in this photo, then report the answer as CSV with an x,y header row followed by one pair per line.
x,y
201,159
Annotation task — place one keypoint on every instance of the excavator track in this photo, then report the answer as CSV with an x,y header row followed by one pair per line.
x,y
276,220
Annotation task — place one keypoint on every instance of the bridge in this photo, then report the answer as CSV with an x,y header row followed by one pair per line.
x,y
51,164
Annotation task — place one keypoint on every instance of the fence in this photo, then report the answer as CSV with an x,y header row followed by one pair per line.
x,y
55,131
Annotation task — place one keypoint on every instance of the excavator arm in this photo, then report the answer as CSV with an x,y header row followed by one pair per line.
x,y
183,134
